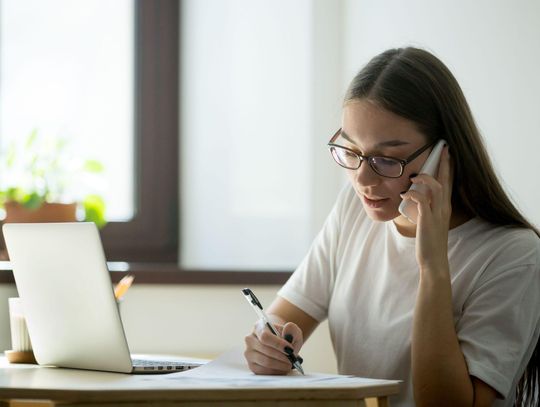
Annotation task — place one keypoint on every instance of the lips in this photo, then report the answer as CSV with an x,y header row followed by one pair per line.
x,y
374,202
374,198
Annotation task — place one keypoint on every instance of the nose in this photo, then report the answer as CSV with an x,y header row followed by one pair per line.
x,y
365,176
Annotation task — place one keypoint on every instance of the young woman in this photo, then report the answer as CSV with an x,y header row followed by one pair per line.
x,y
451,304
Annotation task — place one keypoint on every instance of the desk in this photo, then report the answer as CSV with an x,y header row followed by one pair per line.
x,y
42,386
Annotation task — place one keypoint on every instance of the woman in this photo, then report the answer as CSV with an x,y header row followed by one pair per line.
x,y
450,305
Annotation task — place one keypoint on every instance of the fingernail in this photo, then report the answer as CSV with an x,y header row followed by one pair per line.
x,y
288,350
288,337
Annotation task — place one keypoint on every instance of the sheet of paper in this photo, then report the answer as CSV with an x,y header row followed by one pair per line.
x,y
230,370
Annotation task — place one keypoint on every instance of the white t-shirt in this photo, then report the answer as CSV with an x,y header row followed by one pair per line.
x,y
363,276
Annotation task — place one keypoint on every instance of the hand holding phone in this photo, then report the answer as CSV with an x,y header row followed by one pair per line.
x,y
408,208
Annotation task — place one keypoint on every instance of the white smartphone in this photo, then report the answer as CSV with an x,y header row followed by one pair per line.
x,y
408,208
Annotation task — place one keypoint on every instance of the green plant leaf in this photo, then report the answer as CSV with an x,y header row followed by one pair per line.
x,y
11,155
31,139
39,169
93,166
61,144
94,209
15,194
32,200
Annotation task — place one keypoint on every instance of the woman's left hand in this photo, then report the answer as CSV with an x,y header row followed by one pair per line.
x,y
434,212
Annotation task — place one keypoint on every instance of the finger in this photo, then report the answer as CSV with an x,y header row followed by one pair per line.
x,y
445,175
293,334
266,345
431,188
264,370
269,339
261,326
263,332
257,365
264,360
422,202
277,327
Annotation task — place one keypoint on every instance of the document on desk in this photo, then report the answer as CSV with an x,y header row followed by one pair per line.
x,y
230,370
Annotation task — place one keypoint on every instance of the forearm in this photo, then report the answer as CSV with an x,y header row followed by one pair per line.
x,y
440,374
282,311
277,319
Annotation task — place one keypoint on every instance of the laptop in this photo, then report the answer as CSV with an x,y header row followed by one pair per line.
x,y
70,309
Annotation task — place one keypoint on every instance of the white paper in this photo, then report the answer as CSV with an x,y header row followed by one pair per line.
x,y
230,370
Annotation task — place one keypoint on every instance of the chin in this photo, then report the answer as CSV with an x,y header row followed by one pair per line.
x,y
381,216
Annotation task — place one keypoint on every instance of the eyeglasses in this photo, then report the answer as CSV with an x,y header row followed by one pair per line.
x,y
389,167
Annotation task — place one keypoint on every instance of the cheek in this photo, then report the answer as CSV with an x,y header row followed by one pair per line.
x,y
410,170
415,166
398,186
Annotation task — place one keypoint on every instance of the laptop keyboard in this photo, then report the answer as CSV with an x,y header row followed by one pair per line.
x,y
147,364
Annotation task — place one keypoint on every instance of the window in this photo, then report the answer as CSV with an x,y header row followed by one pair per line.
x,y
116,87
62,78
260,98
261,90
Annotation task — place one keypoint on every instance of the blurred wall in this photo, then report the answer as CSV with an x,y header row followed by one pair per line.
x,y
492,47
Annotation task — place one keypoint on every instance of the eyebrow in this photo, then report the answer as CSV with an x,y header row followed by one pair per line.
x,y
388,143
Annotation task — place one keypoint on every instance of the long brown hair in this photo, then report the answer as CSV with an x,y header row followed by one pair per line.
x,y
416,85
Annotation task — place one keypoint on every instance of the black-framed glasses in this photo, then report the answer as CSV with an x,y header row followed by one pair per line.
x,y
390,167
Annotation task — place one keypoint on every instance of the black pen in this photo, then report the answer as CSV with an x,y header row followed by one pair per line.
x,y
257,306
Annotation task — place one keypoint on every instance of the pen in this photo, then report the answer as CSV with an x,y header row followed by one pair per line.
x,y
122,286
257,306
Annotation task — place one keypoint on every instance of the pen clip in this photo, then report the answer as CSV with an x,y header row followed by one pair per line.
x,y
258,308
252,298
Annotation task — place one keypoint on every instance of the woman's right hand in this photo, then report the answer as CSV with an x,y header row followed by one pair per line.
x,y
265,352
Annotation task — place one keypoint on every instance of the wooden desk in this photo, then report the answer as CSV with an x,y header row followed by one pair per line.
x,y
30,385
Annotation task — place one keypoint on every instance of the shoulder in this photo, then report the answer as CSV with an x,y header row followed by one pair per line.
x,y
493,249
484,235
517,246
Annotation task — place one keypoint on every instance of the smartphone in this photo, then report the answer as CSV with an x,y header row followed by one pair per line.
x,y
408,208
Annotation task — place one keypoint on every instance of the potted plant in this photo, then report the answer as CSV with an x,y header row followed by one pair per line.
x,y
41,181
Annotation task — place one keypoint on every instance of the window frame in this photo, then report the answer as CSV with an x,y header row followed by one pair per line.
x,y
152,234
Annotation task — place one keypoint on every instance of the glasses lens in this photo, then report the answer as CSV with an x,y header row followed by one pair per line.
x,y
345,158
385,166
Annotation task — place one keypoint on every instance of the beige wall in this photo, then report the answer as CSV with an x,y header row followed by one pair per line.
x,y
492,49
6,291
194,320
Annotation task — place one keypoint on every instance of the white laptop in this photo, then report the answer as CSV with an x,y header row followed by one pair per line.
x,y
71,312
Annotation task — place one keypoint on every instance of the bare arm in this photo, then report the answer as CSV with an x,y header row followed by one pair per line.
x,y
284,311
440,373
